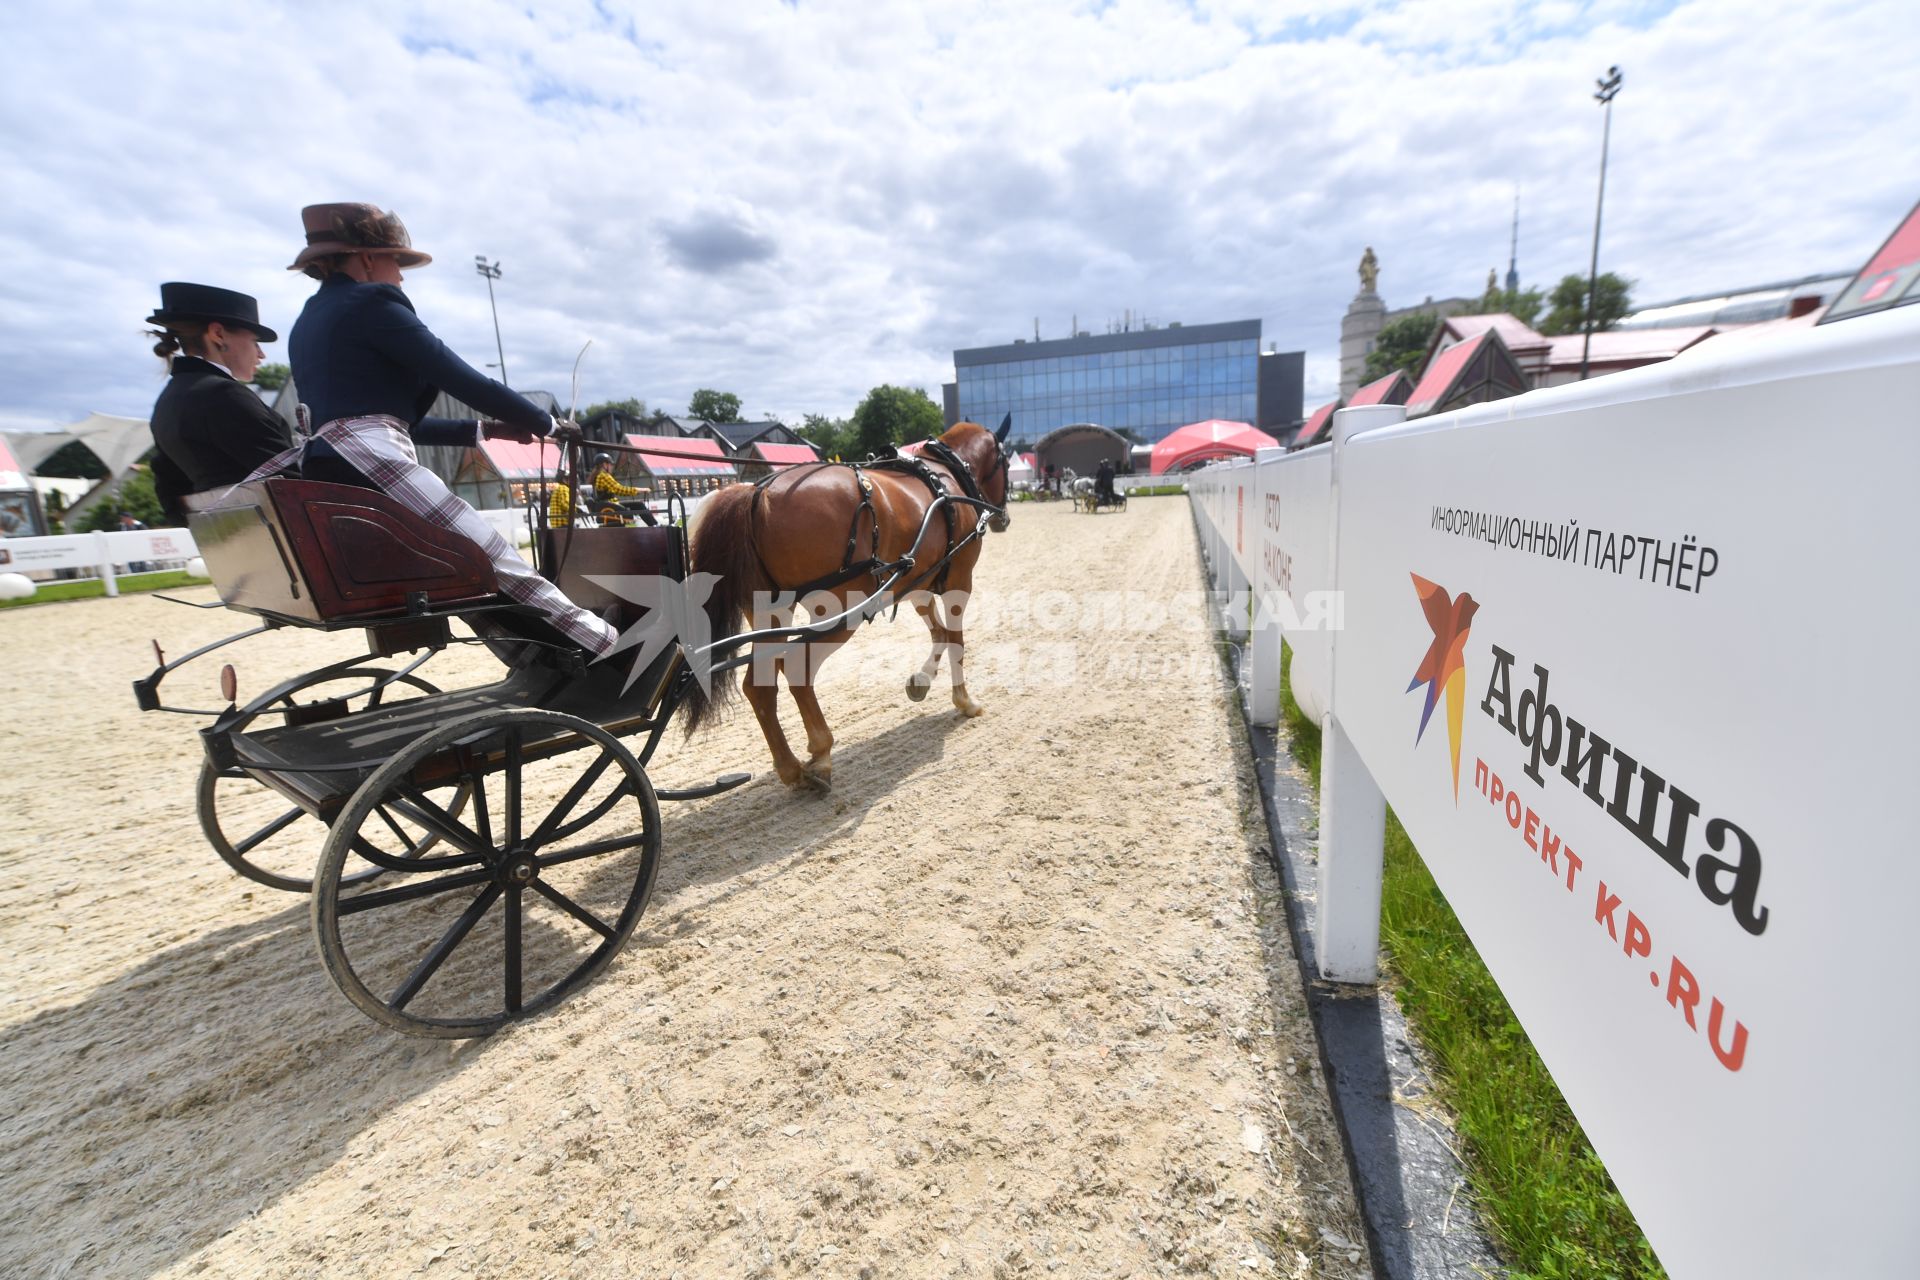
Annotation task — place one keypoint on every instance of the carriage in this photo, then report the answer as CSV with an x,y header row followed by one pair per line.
x,y
1090,497
530,793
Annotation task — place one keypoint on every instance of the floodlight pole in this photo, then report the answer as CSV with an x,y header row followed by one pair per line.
x,y
1608,88
491,270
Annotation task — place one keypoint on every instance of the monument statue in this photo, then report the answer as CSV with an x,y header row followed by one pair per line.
x,y
1369,271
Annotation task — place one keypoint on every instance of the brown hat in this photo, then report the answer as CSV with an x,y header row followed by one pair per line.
x,y
355,228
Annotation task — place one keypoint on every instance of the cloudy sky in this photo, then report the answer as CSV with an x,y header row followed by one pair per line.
x,y
795,202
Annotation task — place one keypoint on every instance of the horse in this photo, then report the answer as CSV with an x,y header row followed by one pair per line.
x,y
830,527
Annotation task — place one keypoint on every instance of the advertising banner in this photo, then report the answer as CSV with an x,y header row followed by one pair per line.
x,y
97,550
67,551
1634,666
1295,561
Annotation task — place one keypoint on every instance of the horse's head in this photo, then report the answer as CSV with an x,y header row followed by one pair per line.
x,y
986,453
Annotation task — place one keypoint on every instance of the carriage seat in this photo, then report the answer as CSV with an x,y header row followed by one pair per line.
x,y
325,554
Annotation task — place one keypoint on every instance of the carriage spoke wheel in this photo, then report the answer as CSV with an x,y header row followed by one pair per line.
x,y
262,835
529,894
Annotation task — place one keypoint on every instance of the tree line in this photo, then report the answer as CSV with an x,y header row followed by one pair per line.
x,y
886,417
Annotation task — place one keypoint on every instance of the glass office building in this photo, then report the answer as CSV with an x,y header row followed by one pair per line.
x,y
1147,382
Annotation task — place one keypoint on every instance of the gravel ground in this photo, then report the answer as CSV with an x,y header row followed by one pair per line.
x,y
1014,998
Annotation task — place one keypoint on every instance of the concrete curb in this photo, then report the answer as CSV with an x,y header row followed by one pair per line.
x,y
1419,1216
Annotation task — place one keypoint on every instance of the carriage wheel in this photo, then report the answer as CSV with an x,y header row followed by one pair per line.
x,y
525,901
259,833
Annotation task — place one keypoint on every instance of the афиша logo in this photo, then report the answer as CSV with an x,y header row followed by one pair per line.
x,y
1445,666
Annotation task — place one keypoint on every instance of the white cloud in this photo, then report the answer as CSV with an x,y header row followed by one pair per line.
x,y
798,203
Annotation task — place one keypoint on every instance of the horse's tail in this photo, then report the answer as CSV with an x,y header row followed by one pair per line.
x,y
723,547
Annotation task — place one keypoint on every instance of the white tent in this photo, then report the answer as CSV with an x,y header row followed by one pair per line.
x,y
117,442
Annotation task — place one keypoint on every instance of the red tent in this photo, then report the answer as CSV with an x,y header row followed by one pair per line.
x,y
1207,441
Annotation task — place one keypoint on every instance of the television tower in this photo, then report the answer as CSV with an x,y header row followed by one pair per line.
x,y
1513,248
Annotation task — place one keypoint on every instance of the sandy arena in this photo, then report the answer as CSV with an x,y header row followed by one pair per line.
x,y
1015,998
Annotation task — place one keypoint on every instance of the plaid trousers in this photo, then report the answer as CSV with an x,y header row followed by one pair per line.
x,y
381,449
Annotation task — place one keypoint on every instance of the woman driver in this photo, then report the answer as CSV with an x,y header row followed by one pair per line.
x,y
368,370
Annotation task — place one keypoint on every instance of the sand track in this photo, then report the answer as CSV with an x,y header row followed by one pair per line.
x,y
1014,998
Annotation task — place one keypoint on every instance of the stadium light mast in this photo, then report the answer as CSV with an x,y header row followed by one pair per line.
x,y
1608,88
491,270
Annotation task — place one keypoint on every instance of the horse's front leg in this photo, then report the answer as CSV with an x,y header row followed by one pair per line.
x,y
953,606
800,672
761,683
922,680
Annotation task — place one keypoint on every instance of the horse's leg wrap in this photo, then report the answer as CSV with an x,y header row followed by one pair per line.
x,y
953,605
921,681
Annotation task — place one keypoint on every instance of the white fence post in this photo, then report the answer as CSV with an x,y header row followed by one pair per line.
x,y
1233,533
1353,812
105,553
1263,651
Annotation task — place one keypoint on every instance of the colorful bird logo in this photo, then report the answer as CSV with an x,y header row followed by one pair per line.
x,y
1444,667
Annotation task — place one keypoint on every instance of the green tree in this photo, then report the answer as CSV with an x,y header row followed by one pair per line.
x,y
714,406
1567,304
135,496
75,460
634,408
271,377
894,415
1522,304
833,437
1401,344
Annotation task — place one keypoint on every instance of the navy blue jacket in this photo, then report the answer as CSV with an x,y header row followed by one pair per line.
x,y
359,349
210,431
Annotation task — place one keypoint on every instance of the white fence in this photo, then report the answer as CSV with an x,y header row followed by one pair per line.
x,y
100,553
1631,659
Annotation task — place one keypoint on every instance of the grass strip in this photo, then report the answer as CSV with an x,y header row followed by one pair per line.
x,y
93,588
1548,1201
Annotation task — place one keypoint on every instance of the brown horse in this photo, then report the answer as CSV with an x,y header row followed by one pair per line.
x,y
818,532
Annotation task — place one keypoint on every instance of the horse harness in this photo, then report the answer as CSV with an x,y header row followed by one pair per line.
x,y
905,465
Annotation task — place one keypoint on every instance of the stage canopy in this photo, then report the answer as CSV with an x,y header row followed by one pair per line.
x,y
1081,448
1209,441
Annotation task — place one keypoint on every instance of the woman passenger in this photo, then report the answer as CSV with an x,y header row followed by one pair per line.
x,y
209,429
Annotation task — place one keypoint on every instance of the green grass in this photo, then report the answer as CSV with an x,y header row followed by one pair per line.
x,y
90,588
1544,1194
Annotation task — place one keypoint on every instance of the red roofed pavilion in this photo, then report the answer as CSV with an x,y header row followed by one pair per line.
x,y
1470,372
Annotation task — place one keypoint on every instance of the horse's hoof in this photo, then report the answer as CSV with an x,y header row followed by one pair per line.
x,y
818,783
969,709
917,687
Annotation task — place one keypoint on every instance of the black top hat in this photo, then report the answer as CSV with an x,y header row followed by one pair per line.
x,y
180,301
